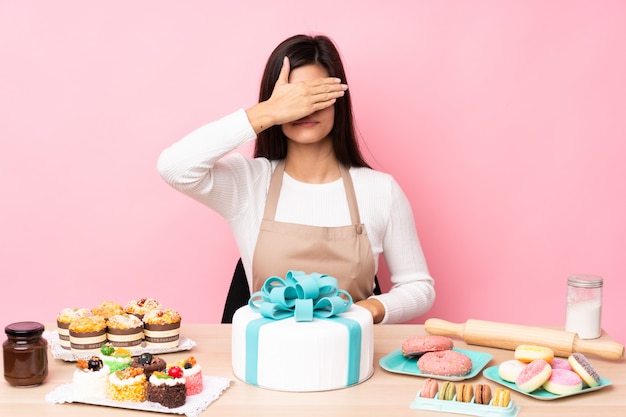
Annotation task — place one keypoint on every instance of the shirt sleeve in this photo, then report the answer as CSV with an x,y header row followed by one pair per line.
x,y
201,165
412,292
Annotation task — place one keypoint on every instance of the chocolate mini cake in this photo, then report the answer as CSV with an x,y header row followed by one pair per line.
x,y
168,389
149,363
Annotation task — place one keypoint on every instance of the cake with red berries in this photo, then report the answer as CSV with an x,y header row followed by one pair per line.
x,y
116,359
193,374
149,363
90,380
125,330
128,385
140,307
162,328
64,319
87,336
168,388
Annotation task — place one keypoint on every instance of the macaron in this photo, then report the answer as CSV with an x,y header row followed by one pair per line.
x,y
529,353
509,370
417,346
563,381
447,392
534,375
501,397
429,389
464,392
482,394
445,363
583,368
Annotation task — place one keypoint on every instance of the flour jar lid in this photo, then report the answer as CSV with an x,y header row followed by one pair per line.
x,y
585,281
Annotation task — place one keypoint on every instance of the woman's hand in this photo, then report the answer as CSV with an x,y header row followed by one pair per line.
x,y
293,101
375,307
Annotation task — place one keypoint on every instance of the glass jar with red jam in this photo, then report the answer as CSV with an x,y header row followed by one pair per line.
x,y
25,354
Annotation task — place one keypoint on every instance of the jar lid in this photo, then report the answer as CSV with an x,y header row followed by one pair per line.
x,y
585,281
24,329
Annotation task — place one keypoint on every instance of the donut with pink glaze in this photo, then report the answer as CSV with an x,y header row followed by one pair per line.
x,y
563,381
534,375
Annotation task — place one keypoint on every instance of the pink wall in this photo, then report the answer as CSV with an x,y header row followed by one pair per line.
x,y
503,121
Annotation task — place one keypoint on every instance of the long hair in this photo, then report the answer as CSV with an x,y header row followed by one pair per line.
x,y
305,50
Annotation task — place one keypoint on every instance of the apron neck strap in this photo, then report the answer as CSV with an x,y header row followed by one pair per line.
x,y
276,183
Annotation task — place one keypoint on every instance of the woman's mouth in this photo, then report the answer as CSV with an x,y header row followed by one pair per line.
x,y
305,123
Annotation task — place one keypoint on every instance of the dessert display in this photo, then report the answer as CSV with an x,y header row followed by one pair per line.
x,y
64,319
128,385
466,398
90,379
193,375
115,358
546,380
87,335
123,327
309,342
124,330
149,363
168,388
162,328
140,307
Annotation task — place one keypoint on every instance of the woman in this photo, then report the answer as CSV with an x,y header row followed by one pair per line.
x,y
298,204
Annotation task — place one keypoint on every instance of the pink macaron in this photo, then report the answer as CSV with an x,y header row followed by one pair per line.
x,y
563,381
430,388
534,375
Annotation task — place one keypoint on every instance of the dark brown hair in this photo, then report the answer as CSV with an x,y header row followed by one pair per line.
x,y
305,50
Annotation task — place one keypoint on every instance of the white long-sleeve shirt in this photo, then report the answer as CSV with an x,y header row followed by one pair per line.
x,y
203,166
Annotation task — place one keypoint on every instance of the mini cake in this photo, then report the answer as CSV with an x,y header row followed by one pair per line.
x,y
115,358
87,336
329,348
128,385
193,374
149,363
161,328
140,307
124,330
168,388
64,319
108,309
91,379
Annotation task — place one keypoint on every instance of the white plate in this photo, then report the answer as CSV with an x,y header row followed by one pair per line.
x,y
194,405
67,355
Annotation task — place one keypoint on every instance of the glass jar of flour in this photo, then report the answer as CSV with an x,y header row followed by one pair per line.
x,y
584,305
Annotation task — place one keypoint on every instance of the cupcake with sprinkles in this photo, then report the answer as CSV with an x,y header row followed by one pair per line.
x,y
193,375
140,307
64,319
161,328
124,330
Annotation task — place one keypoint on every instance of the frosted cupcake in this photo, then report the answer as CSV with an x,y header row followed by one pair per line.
x,y
168,388
87,336
140,307
162,328
108,309
124,330
90,380
193,375
128,385
64,319
116,359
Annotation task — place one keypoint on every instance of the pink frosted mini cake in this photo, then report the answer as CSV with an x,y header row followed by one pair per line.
x,y
193,374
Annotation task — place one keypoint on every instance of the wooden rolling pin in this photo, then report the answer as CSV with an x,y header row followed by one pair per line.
x,y
509,336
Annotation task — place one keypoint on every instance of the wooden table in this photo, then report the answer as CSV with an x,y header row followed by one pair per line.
x,y
384,394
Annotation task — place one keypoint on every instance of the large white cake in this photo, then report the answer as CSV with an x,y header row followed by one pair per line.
x,y
318,355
